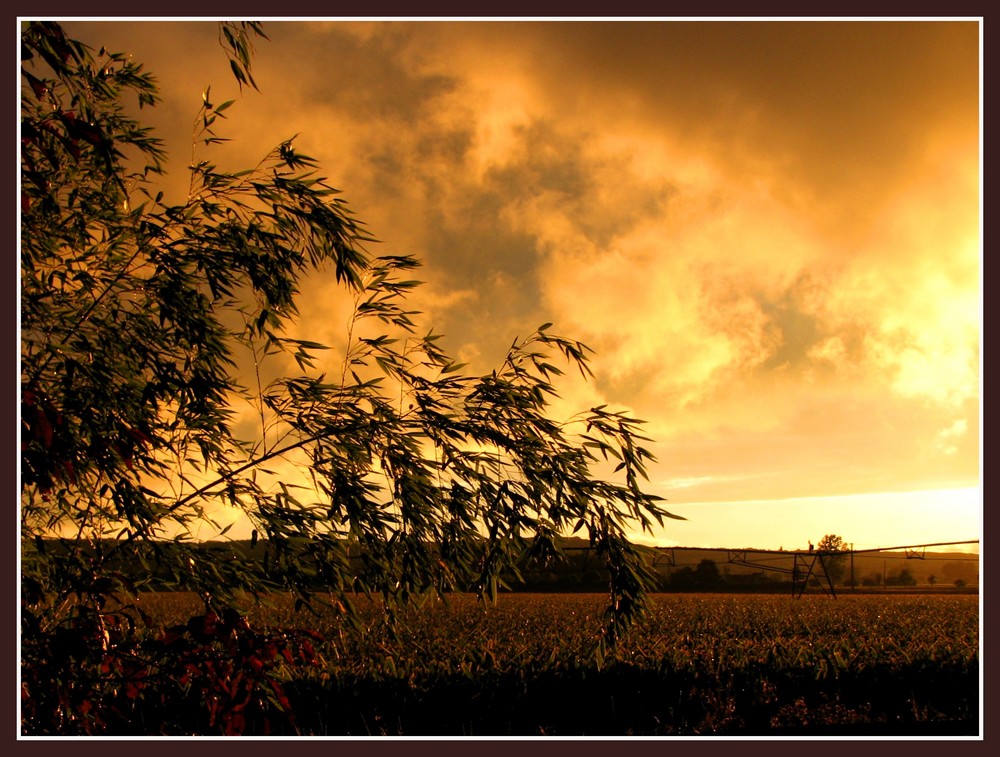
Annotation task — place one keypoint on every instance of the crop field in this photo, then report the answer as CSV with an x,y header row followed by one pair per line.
x,y
699,664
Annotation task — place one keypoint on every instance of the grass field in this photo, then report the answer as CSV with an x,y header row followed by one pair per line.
x,y
700,664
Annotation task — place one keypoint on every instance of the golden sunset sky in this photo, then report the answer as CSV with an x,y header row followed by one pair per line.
x,y
770,232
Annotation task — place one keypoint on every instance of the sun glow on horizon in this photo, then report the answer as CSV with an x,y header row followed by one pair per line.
x,y
867,521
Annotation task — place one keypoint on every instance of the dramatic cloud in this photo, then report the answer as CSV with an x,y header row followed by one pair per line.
x,y
769,232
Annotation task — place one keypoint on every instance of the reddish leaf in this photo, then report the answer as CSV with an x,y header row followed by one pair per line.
x,y
37,85
139,436
44,428
235,725
280,693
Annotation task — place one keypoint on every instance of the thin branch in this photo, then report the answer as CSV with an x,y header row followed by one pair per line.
x,y
252,464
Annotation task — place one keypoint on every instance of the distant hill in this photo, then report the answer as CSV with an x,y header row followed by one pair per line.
x,y
678,568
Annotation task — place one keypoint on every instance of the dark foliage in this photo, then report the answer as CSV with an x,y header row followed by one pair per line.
x,y
139,318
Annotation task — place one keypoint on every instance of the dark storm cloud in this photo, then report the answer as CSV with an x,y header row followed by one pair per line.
x,y
845,109
795,331
769,231
548,162
367,78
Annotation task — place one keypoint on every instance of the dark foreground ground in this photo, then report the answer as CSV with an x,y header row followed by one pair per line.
x,y
698,665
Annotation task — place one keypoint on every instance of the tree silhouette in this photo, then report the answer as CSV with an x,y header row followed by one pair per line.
x,y
903,578
828,546
707,574
138,321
